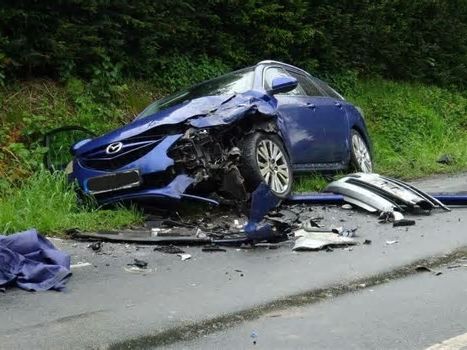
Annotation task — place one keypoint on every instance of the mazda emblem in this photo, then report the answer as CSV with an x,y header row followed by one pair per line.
x,y
114,148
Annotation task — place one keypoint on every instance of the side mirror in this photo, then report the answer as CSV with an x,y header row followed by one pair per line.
x,y
283,84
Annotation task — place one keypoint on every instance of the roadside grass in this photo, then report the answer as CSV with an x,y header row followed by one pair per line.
x,y
48,203
315,182
411,126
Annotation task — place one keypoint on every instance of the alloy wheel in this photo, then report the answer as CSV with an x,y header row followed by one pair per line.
x,y
273,166
361,153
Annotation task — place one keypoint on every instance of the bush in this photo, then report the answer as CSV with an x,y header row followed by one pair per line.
x,y
422,40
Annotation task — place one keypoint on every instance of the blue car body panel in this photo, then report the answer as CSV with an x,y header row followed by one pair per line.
x,y
316,133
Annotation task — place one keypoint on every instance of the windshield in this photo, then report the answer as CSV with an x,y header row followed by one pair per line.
x,y
233,83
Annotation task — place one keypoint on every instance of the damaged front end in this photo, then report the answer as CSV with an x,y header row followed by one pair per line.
x,y
184,153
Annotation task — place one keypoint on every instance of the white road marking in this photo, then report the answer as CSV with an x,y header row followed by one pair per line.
x,y
455,343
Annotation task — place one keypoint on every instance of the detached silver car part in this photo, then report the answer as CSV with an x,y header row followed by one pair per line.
x,y
374,193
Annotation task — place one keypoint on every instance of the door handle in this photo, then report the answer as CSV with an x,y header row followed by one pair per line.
x,y
311,105
338,104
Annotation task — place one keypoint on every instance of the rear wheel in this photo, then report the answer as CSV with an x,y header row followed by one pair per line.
x,y
360,153
265,159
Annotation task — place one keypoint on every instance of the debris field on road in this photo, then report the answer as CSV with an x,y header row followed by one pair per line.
x,y
272,220
269,222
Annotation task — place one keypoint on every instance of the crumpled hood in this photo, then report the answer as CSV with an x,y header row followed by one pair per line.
x,y
203,112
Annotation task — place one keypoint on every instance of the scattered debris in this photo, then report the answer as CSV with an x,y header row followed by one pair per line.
x,y
367,241
96,246
161,232
318,240
345,232
403,222
392,242
254,335
390,216
80,264
310,225
139,263
454,266
262,201
267,245
213,248
422,268
169,249
184,257
376,193
136,269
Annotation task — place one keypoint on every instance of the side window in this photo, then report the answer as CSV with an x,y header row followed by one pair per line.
x,y
327,89
307,84
274,72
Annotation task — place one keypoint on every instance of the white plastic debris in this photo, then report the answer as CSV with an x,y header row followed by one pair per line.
x,y
136,269
200,233
184,257
390,216
80,264
392,242
156,231
319,240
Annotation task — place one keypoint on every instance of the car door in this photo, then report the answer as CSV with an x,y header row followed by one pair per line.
x,y
296,111
326,122
315,123
331,118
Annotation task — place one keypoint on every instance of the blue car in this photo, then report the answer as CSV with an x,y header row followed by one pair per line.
x,y
224,136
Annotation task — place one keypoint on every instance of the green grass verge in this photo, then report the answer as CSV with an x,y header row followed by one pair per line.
x,y
412,125
48,203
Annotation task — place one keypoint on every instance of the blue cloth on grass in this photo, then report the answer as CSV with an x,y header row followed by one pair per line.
x,y
31,261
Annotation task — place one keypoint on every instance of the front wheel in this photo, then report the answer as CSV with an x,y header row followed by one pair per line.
x,y
360,154
265,159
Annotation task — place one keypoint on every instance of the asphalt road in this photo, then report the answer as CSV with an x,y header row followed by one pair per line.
x,y
107,305
410,313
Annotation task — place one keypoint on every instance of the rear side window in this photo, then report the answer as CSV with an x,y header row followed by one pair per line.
x,y
307,84
327,89
274,72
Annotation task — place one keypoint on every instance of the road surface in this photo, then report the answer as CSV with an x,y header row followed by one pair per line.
x,y
106,306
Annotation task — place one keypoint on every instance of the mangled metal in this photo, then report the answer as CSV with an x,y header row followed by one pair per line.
x,y
205,154
376,193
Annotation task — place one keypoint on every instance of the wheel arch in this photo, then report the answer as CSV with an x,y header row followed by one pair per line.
x,y
259,122
366,137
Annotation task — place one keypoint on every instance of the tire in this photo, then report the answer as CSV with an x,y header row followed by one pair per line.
x,y
360,156
257,164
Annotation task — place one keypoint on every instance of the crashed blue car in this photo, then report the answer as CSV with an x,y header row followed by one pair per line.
x,y
264,123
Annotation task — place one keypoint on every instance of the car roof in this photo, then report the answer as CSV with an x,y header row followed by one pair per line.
x,y
285,65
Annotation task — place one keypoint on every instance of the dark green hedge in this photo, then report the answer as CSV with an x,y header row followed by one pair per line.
x,y
400,39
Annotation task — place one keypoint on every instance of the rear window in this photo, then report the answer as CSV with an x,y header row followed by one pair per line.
x,y
327,89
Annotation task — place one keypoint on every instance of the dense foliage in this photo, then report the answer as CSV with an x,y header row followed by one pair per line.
x,y
423,40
